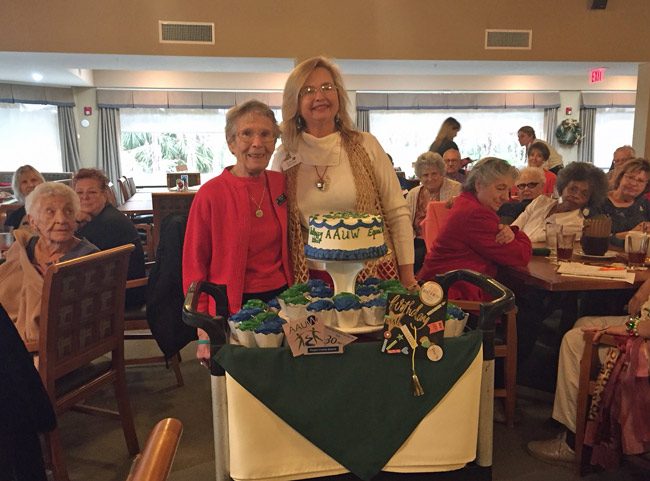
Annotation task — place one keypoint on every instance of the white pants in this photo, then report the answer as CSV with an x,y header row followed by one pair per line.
x,y
568,372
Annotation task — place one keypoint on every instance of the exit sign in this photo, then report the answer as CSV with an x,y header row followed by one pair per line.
x,y
596,75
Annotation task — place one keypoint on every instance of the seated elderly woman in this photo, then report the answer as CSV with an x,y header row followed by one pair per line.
x,y
106,227
430,169
560,450
473,238
538,155
627,204
24,180
51,209
582,188
530,185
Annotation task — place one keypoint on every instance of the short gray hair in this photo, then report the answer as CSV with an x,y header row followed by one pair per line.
x,y
51,189
429,159
535,172
15,180
250,107
486,171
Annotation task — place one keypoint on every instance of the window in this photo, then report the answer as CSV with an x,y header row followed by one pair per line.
x,y
29,134
613,128
157,141
407,134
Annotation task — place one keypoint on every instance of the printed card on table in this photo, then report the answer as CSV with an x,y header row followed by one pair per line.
x,y
415,322
309,335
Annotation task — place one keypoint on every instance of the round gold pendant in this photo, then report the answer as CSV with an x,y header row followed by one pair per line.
x,y
259,213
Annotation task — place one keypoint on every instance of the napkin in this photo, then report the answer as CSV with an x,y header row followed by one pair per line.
x,y
581,270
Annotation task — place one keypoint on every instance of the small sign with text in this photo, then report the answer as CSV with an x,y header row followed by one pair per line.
x,y
309,336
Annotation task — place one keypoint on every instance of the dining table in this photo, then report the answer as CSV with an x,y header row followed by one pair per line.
x,y
141,202
541,290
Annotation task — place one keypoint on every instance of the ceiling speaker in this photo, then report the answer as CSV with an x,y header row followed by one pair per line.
x,y
598,4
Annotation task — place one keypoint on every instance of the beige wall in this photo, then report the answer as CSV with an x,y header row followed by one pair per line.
x,y
373,29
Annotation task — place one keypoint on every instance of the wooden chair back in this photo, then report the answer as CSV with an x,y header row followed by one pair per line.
x,y
167,203
131,186
112,196
82,319
124,188
155,462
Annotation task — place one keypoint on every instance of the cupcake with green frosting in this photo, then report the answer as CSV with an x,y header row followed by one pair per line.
x,y
348,310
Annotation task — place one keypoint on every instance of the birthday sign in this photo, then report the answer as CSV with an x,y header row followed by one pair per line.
x,y
309,335
415,321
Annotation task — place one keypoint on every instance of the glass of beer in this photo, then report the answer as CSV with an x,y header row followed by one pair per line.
x,y
565,246
636,248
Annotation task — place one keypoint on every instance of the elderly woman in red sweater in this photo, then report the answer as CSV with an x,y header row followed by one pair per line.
x,y
473,238
237,228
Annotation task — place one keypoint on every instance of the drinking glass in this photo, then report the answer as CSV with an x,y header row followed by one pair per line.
x,y
6,239
552,230
636,248
565,246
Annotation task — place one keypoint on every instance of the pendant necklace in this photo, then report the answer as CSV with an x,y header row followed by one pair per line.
x,y
321,183
258,211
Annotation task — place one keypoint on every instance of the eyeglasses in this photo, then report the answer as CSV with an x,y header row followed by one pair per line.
x,y
636,180
248,135
310,90
527,185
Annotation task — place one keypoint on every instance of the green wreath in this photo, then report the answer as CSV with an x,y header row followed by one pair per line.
x,y
569,132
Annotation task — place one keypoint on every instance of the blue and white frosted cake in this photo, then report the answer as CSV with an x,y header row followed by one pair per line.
x,y
345,236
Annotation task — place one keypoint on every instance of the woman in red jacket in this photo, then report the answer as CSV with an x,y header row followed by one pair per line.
x,y
237,228
473,238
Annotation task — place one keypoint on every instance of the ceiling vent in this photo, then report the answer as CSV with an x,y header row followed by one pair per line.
x,y
508,39
186,32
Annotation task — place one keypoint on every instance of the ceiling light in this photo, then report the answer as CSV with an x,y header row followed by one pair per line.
x,y
37,77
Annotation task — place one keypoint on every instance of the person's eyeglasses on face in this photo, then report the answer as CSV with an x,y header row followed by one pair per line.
x,y
248,135
527,185
310,90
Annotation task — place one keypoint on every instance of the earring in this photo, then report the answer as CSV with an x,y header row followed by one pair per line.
x,y
337,120
300,122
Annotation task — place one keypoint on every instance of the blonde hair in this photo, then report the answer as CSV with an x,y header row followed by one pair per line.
x,y
291,101
15,180
446,132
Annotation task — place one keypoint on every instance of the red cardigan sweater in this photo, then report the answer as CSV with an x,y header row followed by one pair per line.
x,y
467,241
219,231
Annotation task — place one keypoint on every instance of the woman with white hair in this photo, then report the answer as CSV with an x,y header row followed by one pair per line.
x,y
24,180
473,237
330,166
435,186
51,208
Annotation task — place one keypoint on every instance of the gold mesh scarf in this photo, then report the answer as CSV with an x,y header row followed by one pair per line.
x,y
367,201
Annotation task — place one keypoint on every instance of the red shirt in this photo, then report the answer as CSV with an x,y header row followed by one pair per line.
x,y
467,241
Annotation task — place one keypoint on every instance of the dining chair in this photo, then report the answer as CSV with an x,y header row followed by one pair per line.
x,y
155,461
130,182
168,203
505,348
136,328
81,341
124,188
589,368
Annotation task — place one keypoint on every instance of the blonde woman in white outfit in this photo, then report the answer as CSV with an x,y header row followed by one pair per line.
x,y
330,166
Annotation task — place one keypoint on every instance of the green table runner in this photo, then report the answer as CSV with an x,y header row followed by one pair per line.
x,y
357,407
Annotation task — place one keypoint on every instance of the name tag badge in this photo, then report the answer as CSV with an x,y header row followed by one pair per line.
x,y
290,161
281,200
